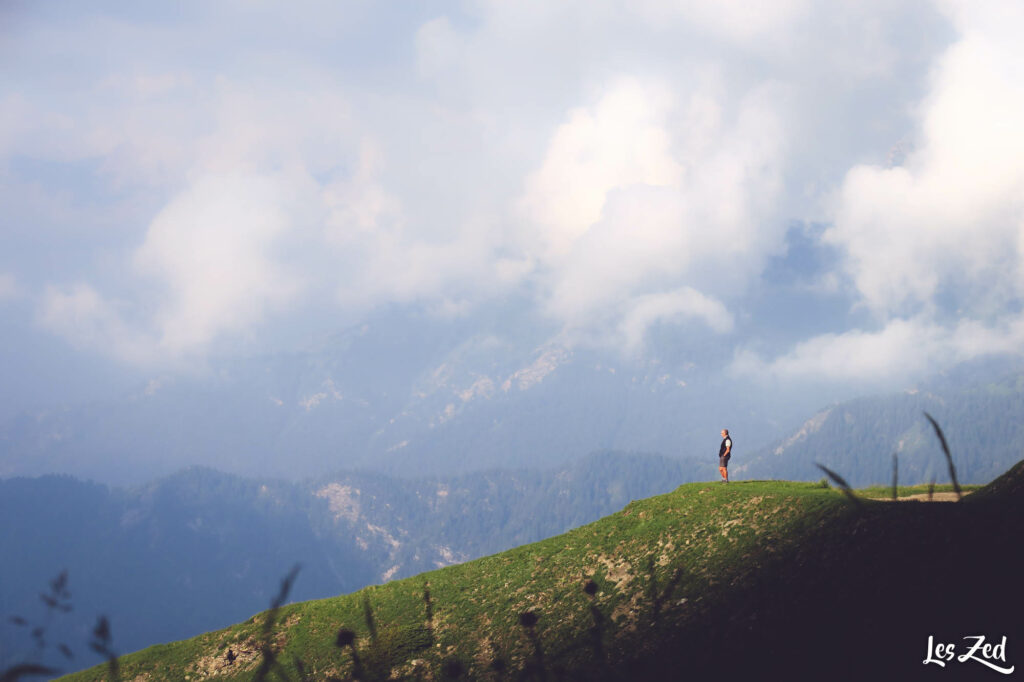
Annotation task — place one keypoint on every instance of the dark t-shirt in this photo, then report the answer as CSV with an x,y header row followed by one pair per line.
x,y
726,444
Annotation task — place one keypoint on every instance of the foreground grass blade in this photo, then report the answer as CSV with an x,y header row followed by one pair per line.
x,y
24,670
270,663
949,457
843,485
895,476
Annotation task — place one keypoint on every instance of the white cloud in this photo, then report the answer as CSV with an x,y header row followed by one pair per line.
x,y
620,164
673,306
935,247
438,48
620,141
15,112
212,248
89,322
206,269
904,350
734,20
8,286
642,195
950,220
394,257
360,204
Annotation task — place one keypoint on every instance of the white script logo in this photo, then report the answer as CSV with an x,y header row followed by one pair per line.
x,y
981,651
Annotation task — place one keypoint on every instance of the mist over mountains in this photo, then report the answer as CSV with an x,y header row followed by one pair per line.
x,y
407,395
412,396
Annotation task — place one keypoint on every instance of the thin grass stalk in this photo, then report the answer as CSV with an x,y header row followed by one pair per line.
x,y
428,604
101,644
949,457
895,476
270,663
22,670
371,622
843,485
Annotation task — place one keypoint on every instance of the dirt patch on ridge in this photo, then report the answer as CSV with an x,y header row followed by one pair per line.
x,y
616,572
925,497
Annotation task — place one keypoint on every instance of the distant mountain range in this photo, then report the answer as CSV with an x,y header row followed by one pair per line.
x,y
202,549
982,423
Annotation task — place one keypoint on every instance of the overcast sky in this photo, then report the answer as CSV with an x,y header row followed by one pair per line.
x,y
178,179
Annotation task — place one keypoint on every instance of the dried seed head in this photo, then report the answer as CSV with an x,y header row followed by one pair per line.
x,y
528,619
452,668
345,638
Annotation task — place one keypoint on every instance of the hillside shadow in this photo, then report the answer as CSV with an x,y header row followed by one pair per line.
x,y
858,597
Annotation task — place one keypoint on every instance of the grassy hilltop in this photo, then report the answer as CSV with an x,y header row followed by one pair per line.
x,y
708,581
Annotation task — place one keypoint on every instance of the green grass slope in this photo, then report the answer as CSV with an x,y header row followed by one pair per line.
x,y
709,581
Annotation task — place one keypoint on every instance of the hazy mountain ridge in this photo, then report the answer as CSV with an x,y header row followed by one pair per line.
x,y
202,548
417,397
858,438
420,397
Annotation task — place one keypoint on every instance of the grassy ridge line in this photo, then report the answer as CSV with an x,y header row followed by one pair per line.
x,y
661,559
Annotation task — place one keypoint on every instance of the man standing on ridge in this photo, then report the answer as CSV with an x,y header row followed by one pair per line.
x,y
724,453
